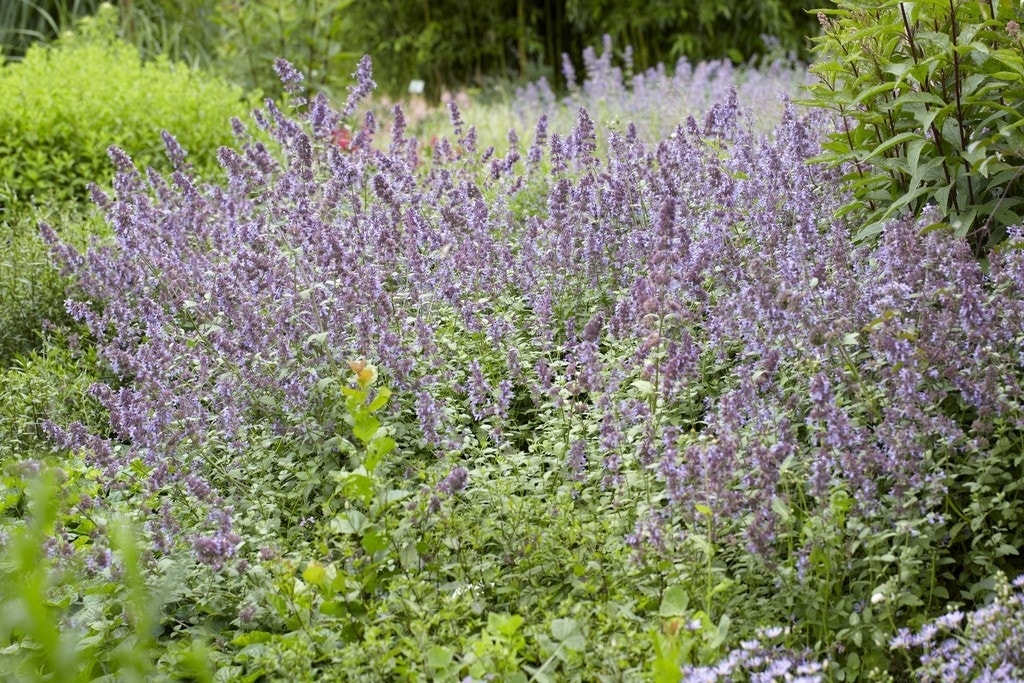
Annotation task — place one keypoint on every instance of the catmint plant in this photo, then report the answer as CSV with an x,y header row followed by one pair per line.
x,y
681,326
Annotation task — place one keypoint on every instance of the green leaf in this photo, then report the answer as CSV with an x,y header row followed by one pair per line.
x,y
1006,549
567,632
893,141
380,400
504,624
376,450
354,393
373,541
315,574
409,556
359,486
351,522
365,427
721,633
643,387
723,585
909,600
251,638
674,602
319,339
334,608
439,657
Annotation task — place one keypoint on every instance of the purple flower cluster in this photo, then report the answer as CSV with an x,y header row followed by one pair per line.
x,y
654,100
446,488
690,305
758,662
986,644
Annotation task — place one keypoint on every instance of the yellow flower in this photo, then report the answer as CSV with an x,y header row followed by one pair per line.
x,y
365,373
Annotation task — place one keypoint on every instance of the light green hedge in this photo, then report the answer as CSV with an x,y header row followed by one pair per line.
x,y
63,105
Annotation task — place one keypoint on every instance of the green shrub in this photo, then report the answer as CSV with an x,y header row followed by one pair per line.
x,y
930,95
71,610
63,105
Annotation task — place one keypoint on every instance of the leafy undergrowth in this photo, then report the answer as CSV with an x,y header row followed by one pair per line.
x,y
370,411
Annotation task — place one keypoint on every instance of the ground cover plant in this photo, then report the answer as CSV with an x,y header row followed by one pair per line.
x,y
600,404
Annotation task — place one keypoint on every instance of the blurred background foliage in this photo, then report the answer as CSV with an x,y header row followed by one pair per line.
x,y
449,44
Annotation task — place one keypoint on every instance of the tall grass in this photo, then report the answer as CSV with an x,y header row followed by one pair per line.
x,y
23,22
182,30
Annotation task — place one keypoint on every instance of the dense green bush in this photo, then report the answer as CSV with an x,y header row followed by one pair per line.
x,y
48,383
62,106
930,96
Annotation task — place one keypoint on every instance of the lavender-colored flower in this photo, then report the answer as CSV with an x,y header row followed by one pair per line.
x,y
577,460
363,86
455,481
290,76
215,549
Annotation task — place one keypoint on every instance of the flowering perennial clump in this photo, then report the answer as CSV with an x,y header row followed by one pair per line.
x,y
684,314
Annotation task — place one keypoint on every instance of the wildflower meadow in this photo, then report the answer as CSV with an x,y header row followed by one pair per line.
x,y
709,372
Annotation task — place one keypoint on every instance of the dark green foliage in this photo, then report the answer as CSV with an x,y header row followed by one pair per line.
x,y
453,42
62,106
24,22
665,30
446,43
313,35
182,30
930,95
